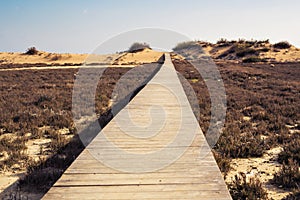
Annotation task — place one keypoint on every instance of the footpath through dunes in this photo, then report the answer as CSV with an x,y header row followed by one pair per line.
x,y
152,149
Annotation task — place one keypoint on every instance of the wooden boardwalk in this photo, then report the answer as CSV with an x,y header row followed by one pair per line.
x,y
152,149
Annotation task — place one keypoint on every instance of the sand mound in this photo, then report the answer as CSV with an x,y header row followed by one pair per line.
x,y
139,58
264,51
42,57
136,58
241,50
95,59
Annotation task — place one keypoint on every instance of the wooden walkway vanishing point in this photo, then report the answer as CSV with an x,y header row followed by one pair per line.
x,y
152,149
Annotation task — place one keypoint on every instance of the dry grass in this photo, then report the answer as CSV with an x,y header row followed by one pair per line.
x,y
262,99
33,99
251,189
289,176
31,51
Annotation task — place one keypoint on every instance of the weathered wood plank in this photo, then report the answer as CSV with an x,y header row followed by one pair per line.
x,y
207,195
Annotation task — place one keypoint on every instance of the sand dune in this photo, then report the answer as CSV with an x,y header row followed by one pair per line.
x,y
265,51
42,57
138,58
55,59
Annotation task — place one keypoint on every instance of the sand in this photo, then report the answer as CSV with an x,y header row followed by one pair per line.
x,y
291,54
284,55
41,57
264,168
145,56
138,58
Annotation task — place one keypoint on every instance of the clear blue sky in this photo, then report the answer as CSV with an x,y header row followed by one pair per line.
x,y
80,26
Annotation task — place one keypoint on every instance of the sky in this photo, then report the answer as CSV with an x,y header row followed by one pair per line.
x,y
73,26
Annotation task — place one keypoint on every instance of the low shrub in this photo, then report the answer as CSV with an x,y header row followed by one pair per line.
x,y
240,188
222,161
263,41
288,176
290,151
42,174
241,40
243,51
235,144
31,51
224,42
135,47
240,50
185,45
294,196
253,59
41,99
265,49
42,179
15,149
282,45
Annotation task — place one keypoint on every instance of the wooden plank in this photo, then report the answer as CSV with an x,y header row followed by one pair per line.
x,y
158,119
189,154
144,187
207,195
182,191
135,179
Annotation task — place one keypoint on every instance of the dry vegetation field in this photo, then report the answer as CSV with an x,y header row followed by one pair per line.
x,y
38,139
36,123
258,152
263,103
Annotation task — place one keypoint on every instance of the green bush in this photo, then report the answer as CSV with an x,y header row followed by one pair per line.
x,y
240,188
